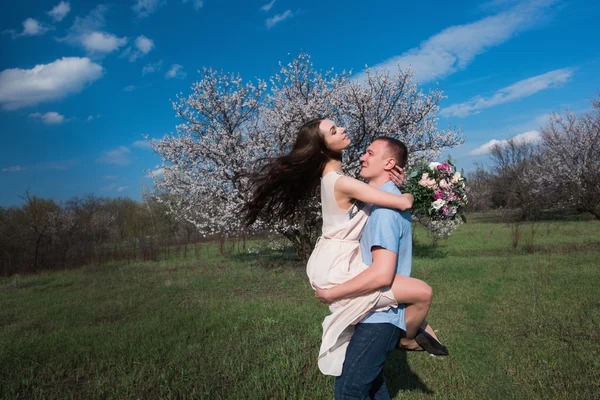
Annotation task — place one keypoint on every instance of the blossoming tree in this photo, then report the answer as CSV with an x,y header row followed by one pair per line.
x,y
229,127
570,159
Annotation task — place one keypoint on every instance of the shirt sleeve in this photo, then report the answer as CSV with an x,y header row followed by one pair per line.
x,y
385,229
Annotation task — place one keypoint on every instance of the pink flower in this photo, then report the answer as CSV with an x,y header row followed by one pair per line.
x,y
445,210
444,184
438,195
445,166
426,182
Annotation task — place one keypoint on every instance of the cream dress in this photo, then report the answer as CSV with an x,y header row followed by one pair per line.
x,y
335,260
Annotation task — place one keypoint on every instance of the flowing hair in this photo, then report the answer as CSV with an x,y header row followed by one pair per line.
x,y
288,182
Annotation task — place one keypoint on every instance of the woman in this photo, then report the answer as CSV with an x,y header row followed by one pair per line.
x,y
289,181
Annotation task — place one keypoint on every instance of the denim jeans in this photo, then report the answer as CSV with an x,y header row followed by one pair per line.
x,y
362,373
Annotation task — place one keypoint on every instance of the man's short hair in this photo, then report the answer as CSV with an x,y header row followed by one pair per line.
x,y
396,149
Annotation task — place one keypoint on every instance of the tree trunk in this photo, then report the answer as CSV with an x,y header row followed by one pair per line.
x,y
303,244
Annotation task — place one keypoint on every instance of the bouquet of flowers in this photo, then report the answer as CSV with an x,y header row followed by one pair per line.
x,y
440,193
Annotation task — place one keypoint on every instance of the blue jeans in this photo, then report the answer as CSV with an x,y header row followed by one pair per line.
x,y
362,373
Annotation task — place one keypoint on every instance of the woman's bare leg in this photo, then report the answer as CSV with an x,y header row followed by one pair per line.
x,y
430,330
416,295
411,344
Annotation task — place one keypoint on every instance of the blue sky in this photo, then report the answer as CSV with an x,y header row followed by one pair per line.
x,y
82,82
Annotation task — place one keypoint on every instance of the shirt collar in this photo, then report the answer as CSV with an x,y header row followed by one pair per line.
x,y
388,186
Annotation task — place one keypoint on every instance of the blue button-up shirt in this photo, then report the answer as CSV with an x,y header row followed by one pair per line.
x,y
392,230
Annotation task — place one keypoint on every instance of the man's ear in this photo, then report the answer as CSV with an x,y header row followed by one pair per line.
x,y
389,164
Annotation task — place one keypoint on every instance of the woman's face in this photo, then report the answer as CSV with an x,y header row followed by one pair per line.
x,y
335,137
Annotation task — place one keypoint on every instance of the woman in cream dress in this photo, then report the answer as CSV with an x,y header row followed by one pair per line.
x,y
335,260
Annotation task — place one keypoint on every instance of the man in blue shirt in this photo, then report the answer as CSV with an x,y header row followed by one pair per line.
x,y
386,242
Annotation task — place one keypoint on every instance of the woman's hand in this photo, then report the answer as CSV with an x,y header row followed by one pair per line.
x,y
324,295
397,175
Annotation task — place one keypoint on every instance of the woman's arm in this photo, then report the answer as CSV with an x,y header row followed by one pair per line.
x,y
358,190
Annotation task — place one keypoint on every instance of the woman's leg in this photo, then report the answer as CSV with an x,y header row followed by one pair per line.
x,y
411,344
416,295
430,330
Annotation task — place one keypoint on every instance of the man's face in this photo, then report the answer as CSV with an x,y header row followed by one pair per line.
x,y
375,161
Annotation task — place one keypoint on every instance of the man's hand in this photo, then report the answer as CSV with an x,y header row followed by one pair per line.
x,y
324,295
397,175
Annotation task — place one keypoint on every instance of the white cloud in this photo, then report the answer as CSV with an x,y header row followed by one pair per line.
x,y
267,6
31,27
152,67
143,45
46,82
516,91
60,11
144,8
454,48
157,173
176,71
49,118
87,32
101,42
271,22
142,144
122,188
129,88
118,156
15,168
92,117
526,137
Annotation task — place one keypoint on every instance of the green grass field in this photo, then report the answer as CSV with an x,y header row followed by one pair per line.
x,y
519,325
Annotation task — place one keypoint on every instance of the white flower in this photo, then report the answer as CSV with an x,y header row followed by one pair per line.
x,y
456,177
438,204
433,166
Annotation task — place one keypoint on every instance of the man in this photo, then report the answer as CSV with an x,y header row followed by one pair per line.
x,y
386,245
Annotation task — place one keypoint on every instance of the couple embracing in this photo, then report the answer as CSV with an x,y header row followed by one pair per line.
x,y
362,262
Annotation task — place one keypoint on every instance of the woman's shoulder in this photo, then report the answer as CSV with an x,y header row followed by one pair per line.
x,y
331,176
332,173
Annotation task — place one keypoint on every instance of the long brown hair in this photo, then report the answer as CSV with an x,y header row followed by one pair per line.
x,y
288,182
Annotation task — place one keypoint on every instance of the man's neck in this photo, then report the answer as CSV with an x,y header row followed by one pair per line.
x,y
380,180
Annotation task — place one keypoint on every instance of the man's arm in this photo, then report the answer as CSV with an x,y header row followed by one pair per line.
x,y
380,274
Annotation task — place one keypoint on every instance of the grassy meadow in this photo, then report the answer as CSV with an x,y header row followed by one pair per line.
x,y
520,323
